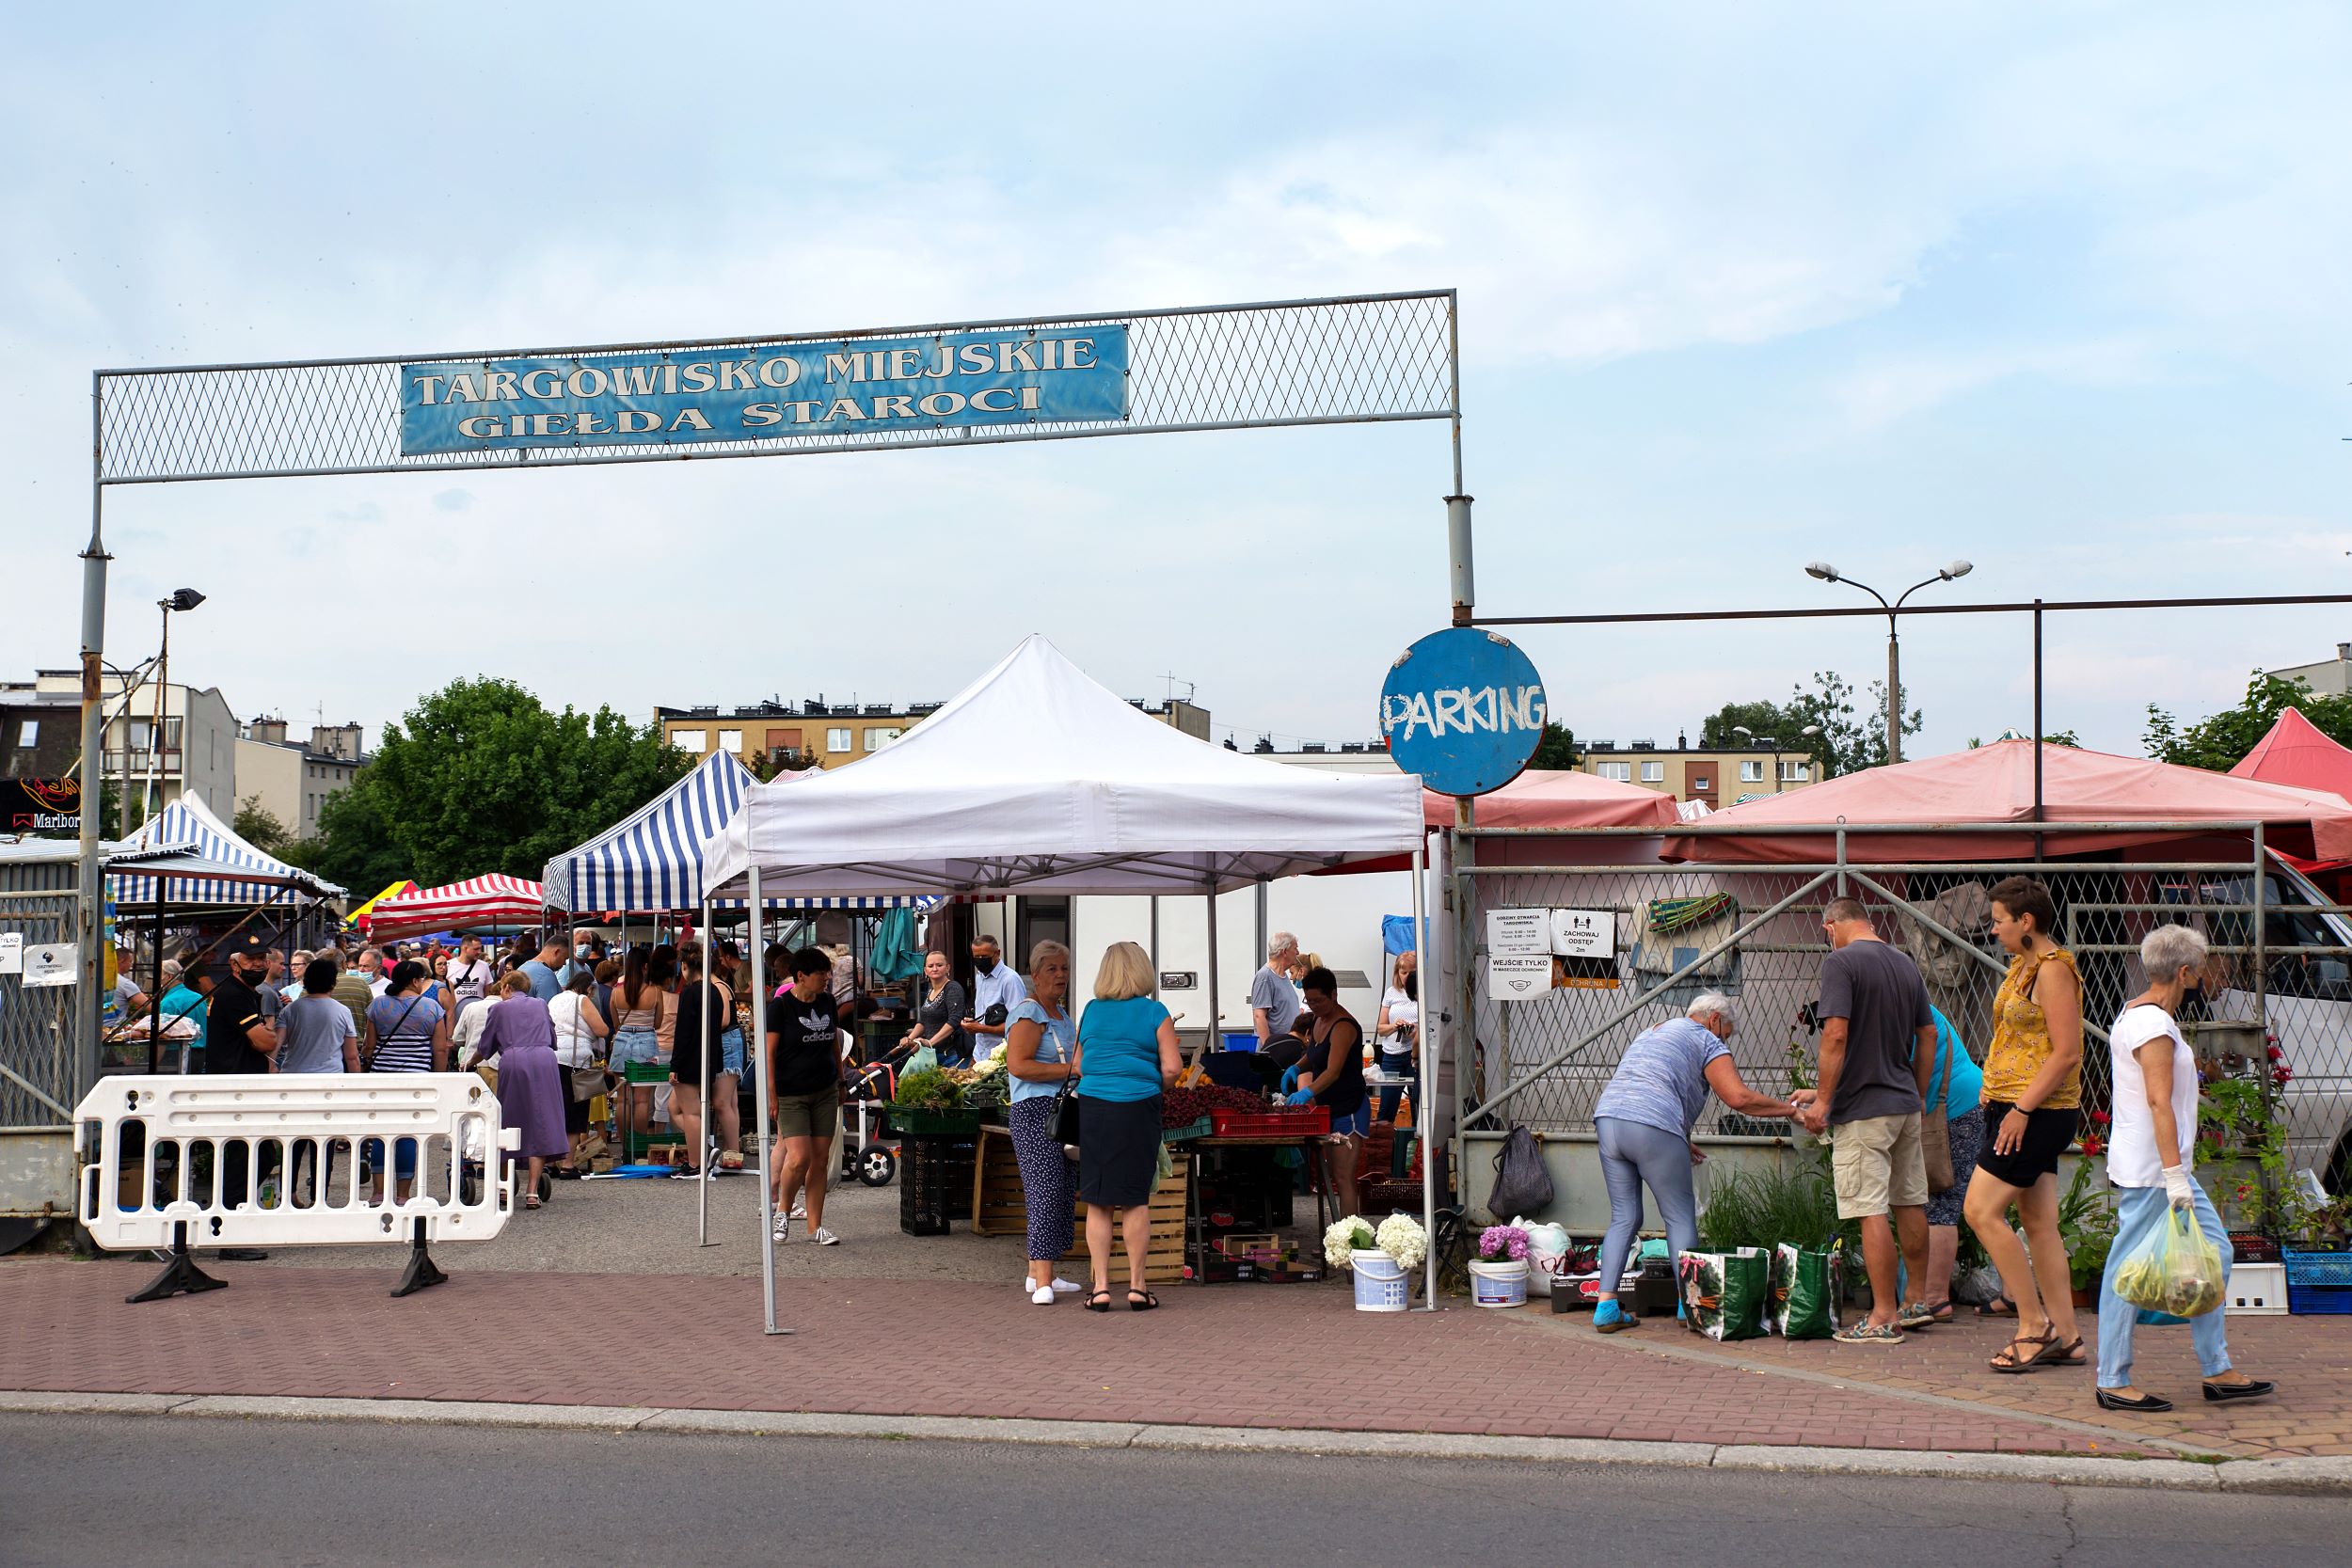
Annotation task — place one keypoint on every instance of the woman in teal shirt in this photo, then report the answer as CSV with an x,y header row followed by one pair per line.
x,y
1959,1086
1126,1057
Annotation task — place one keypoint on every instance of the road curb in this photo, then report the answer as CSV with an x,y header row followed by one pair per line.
x,y
2293,1476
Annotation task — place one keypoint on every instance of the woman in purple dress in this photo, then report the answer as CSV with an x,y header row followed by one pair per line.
x,y
531,1086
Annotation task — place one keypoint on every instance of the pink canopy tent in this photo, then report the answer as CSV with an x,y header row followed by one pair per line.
x,y
1543,798
2298,753
491,900
1994,785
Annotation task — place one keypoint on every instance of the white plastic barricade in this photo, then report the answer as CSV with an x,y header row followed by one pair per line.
x,y
271,1159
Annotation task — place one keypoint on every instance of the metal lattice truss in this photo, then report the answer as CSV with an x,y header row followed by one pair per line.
x,y
1323,361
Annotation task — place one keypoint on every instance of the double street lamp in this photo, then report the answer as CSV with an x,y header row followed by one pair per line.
x,y
1828,573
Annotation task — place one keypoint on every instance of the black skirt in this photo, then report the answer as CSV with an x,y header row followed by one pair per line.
x,y
1119,1150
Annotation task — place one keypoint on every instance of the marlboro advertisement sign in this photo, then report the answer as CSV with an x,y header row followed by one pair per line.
x,y
41,805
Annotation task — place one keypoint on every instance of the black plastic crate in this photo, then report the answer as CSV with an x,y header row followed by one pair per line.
x,y
934,1184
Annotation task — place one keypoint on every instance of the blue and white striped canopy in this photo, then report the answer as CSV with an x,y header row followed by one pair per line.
x,y
186,826
653,862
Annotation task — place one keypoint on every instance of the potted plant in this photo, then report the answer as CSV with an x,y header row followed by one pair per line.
x,y
1498,1272
2087,1223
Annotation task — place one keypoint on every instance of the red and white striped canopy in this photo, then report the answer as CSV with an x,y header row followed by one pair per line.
x,y
491,900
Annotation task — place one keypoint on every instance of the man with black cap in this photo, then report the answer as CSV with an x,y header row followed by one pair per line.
x,y
238,1039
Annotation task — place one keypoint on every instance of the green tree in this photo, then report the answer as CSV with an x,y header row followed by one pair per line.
x,y
481,777
1557,751
1718,731
2221,740
259,825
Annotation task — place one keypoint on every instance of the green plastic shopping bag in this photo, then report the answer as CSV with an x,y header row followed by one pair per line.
x,y
2175,1270
1724,1293
1805,1289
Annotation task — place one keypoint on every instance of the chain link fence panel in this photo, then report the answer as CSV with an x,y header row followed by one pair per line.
x,y
2281,966
37,1075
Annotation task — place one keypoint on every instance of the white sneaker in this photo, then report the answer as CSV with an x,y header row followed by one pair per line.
x,y
1042,1295
799,1211
1066,1287
780,1229
825,1238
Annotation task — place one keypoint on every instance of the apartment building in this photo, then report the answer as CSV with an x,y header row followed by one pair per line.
x,y
1717,778
821,733
293,780
188,746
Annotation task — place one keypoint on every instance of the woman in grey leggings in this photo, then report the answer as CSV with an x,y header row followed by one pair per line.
x,y
1645,1118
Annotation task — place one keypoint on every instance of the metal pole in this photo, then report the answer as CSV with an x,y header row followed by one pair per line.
x,y
151,780
702,1130
2262,1004
1217,1023
1894,693
2037,725
90,909
1424,1113
759,1100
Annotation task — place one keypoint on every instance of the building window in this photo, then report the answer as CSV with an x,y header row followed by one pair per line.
x,y
1701,783
690,740
1653,772
1752,770
731,740
28,735
1621,771
880,736
1796,772
837,740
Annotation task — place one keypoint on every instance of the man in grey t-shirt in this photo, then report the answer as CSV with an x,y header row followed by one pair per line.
x,y
1878,1052
1274,1004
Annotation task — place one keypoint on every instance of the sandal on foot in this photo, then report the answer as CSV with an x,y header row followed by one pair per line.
x,y
2044,1345
1940,1311
1099,1302
2071,1354
1999,1307
1142,1301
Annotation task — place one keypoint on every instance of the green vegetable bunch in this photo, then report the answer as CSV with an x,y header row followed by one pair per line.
x,y
929,1089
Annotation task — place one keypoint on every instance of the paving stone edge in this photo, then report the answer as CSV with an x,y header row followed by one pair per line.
x,y
2302,1477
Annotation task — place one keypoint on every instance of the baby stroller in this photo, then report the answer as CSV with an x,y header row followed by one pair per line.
x,y
867,1153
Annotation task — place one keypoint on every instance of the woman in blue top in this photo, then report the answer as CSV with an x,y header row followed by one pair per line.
x,y
1041,1038
1958,1087
1126,1057
1644,1119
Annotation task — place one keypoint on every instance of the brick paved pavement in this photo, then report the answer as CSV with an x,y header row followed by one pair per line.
x,y
2310,1358
1244,1355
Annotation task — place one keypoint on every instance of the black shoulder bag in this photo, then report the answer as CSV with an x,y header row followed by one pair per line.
x,y
1065,1121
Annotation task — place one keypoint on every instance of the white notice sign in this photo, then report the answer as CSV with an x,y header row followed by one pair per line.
x,y
1518,976
1520,932
56,964
11,952
1585,933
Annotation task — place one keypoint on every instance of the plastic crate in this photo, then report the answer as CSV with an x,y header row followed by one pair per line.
x,y
934,1124
2256,1291
1186,1133
934,1180
1307,1122
2318,1283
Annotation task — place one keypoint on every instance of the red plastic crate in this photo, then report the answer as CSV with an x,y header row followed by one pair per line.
x,y
1307,1122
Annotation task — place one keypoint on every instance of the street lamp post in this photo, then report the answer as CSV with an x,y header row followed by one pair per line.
x,y
1828,573
183,600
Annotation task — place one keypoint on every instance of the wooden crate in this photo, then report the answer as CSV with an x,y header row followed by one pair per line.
x,y
999,1208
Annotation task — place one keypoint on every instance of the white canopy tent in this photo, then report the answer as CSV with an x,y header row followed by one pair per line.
x,y
1038,779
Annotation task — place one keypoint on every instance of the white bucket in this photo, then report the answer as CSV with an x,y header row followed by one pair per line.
x,y
1380,1282
1502,1284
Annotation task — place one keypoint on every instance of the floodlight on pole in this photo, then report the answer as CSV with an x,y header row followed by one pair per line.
x,y
1828,573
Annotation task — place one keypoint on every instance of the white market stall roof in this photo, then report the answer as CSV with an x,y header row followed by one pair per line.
x,y
651,862
215,865
1036,778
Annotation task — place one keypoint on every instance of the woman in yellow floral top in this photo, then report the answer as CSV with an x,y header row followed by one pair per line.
x,y
2033,1095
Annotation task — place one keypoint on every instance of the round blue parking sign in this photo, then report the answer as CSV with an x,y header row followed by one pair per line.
x,y
1464,708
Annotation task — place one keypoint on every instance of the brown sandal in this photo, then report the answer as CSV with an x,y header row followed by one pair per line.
x,y
2007,1360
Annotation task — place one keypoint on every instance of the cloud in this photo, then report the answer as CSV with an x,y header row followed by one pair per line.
x,y
453,500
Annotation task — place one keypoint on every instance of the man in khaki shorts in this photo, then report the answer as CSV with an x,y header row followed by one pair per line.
x,y
1878,1054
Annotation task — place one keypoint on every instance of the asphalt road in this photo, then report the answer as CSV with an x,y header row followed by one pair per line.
x,y
136,1490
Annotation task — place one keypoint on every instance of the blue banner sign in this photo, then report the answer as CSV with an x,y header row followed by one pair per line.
x,y
1039,375
1464,708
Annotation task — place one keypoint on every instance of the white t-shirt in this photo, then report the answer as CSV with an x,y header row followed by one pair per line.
x,y
574,1045
472,1020
2133,1160
1403,1009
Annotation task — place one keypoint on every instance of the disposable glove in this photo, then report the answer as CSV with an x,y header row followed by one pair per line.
x,y
2178,1187
1302,1097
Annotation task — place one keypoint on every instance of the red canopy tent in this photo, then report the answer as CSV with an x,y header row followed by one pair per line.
x,y
1543,798
491,900
1995,784
2298,753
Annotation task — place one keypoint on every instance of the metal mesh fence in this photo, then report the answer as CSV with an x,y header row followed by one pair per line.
x,y
2281,967
36,1022
1344,361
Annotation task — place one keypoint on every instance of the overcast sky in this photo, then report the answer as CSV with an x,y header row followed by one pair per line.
x,y
2056,288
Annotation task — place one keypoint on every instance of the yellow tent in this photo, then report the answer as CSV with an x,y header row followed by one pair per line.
x,y
401,886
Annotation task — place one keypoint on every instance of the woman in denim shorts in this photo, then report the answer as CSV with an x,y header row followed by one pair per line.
x,y
638,1005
